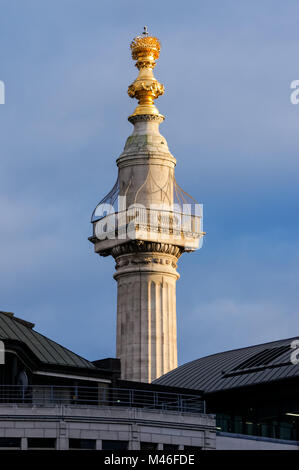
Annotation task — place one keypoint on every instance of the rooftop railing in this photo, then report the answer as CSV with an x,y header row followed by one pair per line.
x,y
101,396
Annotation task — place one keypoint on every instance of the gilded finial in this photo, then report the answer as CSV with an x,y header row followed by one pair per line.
x,y
145,50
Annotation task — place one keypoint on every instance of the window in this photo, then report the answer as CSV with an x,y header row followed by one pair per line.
x,y
82,444
223,422
41,443
237,425
148,446
10,442
114,445
192,448
286,431
170,447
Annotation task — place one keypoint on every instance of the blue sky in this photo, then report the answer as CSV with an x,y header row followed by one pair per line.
x,y
227,68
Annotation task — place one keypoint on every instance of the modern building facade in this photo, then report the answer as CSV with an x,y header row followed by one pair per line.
x,y
252,391
64,427
51,398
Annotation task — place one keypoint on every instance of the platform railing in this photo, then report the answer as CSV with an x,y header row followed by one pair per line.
x,y
101,396
171,222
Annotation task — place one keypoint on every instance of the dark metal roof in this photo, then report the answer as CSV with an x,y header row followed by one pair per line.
x,y
243,367
46,350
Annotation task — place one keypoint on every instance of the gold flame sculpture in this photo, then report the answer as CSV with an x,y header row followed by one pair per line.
x,y
145,50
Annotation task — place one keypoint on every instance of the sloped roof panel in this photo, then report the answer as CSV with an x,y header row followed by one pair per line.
x,y
46,350
236,368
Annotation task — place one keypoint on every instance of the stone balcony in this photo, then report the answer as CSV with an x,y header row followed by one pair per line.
x,y
153,225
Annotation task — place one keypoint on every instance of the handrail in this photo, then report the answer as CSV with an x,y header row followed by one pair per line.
x,y
170,220
101,396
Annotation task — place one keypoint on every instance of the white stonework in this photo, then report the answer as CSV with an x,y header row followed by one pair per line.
x,y
146,259
132,425
146,316
146,301
146,262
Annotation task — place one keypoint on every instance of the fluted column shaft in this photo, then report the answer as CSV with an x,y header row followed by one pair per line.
x,y
146,313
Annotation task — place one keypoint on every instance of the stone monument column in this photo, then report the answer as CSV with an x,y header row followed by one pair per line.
x,y
145,232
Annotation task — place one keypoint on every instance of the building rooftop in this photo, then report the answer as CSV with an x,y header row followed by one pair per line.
x,y
46,350
237,368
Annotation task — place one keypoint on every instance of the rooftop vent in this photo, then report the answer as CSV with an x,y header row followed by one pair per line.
x,y
263,358
261,361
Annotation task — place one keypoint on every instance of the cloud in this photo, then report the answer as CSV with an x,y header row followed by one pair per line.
x,y
230,124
